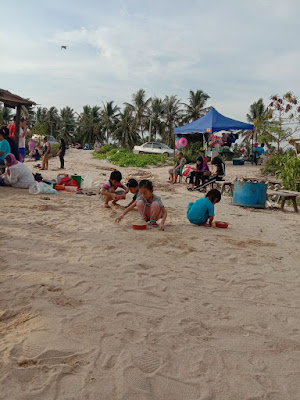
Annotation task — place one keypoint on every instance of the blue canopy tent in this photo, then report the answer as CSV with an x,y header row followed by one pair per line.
x,y
212,122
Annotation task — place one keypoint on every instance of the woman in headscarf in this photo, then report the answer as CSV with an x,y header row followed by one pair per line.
x,y
197,173
220,172
17,174
61,153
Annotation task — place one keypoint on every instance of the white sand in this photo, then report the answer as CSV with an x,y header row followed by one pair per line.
x,y
93,310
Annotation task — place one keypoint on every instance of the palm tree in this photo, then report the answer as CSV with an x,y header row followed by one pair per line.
x,y
156,112
196,103
41,114
259,116
139,106
126,129
52,120
172,115
109,115
67,124
89,127
5,115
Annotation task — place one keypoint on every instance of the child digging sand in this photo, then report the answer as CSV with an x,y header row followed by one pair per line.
x,y
108,190
133,187
203,210
149,205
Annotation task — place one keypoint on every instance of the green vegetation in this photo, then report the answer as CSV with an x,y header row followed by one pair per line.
x,y
286,167
123,158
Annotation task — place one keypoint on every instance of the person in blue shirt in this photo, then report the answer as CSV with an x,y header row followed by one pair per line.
x,y
260,149
203,210
4,149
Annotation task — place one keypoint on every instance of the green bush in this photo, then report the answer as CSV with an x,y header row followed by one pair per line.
x,y
286,167
104,149
123,158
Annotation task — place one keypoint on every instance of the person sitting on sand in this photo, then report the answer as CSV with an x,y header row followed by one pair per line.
x,y
17,174
149,205
133,187
202,211
108,190
175,171
35,154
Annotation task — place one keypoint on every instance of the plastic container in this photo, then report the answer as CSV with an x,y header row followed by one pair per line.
x,y
139,227
249,194
120,197
238,161
59,187
77,178
87,182
221,224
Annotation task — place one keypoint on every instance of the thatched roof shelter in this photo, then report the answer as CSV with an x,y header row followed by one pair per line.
x,y
12,100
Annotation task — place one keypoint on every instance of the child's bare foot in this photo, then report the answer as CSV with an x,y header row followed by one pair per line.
x,y
106,206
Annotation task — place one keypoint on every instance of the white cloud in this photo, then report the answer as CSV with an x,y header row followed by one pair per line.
x,y
235,51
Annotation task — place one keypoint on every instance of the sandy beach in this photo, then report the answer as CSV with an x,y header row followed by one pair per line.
x,y
95,310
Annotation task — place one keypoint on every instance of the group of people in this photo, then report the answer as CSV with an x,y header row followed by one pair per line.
x,y
12,156
198,175
150,206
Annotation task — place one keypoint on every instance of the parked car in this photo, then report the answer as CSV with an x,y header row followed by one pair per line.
x,y
154,148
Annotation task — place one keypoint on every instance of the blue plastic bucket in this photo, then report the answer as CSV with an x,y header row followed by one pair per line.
x,y
248,194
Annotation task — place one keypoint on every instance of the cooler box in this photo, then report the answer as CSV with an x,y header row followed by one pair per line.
x,y
238,161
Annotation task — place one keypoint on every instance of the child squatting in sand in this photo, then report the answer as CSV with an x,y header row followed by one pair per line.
x,y
149,205
108,190
203,210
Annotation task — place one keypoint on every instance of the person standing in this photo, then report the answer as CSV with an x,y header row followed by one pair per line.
x,y
12,128
61,153
46,152
23,133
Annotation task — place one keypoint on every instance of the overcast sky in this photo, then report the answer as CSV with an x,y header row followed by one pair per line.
x,y
235,50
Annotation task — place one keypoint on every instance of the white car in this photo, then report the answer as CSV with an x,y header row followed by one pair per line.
x,y
154,148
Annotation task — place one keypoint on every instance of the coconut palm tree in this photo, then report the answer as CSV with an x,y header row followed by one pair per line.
x,y
5,115
171,114
52,120
126,129
258,116
67,124
139,106
41,114
156,113
89,127
109,115
197,101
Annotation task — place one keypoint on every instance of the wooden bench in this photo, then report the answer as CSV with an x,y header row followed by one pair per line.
x,y
284,195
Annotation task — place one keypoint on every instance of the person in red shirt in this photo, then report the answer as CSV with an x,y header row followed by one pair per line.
x,y
12,128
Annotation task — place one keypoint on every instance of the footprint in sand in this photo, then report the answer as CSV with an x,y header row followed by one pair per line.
x,y
139,378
